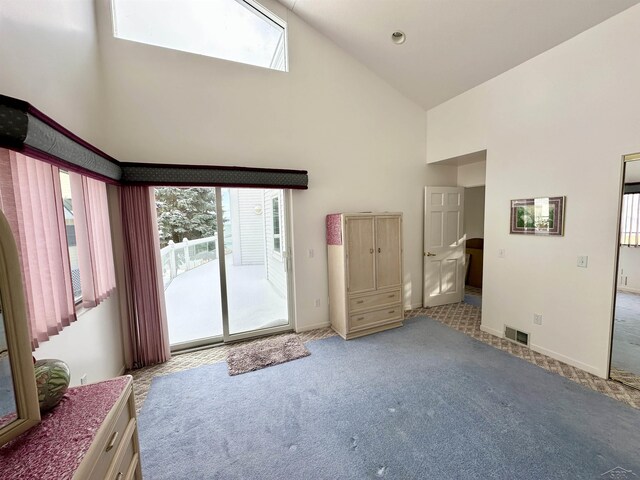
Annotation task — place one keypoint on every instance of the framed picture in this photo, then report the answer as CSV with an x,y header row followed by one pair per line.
x,y
538,216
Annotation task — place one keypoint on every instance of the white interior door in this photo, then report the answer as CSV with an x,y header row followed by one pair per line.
x,y
444,245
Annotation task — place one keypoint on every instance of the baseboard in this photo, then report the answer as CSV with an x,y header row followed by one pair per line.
x,y
495,333
569,361
313,326
630,290
122,370
555,355
413,306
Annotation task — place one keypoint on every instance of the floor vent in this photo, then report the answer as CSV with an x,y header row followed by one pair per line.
x,y
516,335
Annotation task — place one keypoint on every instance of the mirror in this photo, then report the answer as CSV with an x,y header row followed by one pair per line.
x,y
625,346
19,409
8,408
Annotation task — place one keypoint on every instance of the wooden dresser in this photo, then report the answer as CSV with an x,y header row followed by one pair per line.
x,y
365,272
92,434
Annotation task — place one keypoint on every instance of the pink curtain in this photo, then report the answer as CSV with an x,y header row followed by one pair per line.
x,y
142,292
93,235
31,200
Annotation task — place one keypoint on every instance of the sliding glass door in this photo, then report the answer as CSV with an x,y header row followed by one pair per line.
x,y
225,257
257,262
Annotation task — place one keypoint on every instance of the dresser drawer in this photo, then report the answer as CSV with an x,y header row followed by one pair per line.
x,y
372,301
364,320
124,466
110,447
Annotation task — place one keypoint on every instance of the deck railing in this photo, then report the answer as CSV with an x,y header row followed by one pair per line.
x,y
178,258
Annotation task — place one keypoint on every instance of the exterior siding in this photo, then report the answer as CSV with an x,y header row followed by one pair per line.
x,y
248,226
275,265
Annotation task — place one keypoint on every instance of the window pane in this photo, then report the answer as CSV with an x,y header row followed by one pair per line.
x,y
65,185
228,29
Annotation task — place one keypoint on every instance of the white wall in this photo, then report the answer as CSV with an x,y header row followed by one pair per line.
x,y
555,125
472,175
91,345
629,269
632,172
49,57
474,212
362,141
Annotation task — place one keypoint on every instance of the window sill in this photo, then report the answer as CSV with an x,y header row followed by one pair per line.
x,y
80,310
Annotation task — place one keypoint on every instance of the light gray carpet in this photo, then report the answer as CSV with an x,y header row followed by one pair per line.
x,y
418,402
626,333
265,353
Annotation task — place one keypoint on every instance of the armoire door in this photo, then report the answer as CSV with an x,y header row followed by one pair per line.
x,y
360,254
388,252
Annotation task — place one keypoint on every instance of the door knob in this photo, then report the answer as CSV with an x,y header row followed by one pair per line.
x,y
429,254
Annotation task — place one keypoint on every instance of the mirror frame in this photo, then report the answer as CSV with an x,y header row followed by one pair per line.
x,y
18,338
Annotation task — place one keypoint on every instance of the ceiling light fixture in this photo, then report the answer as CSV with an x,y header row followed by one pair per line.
x,y
398,37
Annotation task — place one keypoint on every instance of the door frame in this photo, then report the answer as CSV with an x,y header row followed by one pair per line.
x,y
632,157
287,257
227,337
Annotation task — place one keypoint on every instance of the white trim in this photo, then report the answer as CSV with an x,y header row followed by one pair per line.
x,y
555,355
570,361
495,333
630,290
313,326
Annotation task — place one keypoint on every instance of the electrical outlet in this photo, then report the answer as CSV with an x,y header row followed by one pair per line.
x,y
537,318
583,261
317,302
501,253
83,379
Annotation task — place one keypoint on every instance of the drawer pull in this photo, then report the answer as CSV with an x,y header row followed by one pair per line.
x,y
360,301
112,442
360,318
392,311
392,295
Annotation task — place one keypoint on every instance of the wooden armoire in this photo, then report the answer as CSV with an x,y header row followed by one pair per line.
x,y
365,272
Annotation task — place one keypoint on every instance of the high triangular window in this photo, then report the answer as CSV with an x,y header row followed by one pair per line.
x,y
237,30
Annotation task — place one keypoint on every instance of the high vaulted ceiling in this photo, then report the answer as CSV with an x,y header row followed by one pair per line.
x,y
451,45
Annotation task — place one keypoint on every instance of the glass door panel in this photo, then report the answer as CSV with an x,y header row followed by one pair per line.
x,y
256,259
187,225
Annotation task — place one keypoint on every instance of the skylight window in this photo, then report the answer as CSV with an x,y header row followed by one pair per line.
x,y
237,30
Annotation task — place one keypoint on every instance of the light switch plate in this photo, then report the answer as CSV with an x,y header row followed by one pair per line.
x,y
583,261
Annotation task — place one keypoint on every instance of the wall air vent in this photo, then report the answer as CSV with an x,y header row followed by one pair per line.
x,y
516,335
